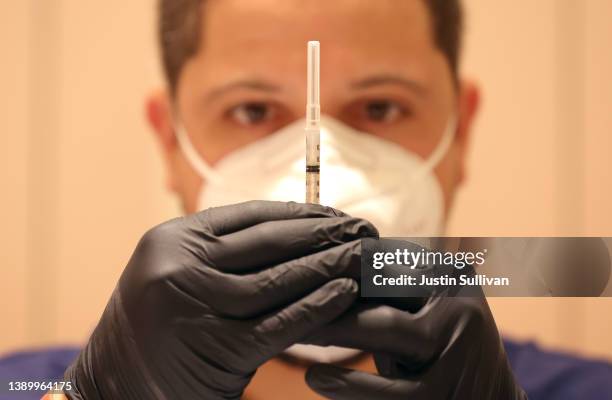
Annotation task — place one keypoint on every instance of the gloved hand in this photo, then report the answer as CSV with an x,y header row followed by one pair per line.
x,y
450,349
206,299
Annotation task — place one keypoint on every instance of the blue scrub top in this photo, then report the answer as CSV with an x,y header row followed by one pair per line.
x,y
544,375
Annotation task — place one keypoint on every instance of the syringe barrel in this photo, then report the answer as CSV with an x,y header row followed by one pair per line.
x,y
312,188
313,147
313,165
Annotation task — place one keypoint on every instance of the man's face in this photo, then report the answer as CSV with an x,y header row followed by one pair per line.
x,y
381,73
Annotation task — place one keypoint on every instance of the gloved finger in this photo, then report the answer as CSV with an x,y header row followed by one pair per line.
x,y
280,330
274,242
383,329
339,383
232,218
393,366
248,296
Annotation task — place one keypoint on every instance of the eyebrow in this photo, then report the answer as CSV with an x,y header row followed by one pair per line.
x,y
388,79
250,84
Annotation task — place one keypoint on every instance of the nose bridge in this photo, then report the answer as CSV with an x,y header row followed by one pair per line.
x,y
338,68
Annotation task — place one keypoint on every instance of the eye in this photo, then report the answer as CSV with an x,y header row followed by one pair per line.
x,y
254,113
378,113
383,111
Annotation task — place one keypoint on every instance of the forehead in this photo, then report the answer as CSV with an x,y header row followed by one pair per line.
x,y
367,20
258,34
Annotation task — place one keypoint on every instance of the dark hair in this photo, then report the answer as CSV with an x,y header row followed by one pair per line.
x,y
179,32
447,17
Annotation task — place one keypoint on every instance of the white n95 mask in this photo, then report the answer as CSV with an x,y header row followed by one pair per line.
x,y
361,175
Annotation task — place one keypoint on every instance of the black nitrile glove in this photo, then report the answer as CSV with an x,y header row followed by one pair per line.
x,y
450,349
208,298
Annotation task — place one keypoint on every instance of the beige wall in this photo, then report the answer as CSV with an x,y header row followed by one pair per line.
x,y
13,172
82,176
540,161
83,180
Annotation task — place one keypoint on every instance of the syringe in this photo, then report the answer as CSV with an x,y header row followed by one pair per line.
x,y
313,124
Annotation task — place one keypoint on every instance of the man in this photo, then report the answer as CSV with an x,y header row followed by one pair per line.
x,y
236,74
208,300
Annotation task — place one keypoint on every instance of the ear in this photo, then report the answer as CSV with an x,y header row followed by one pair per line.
x,y
159,116
158,109
469,104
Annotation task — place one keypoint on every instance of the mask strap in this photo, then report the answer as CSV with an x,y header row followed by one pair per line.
x,y
441,149
203,169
